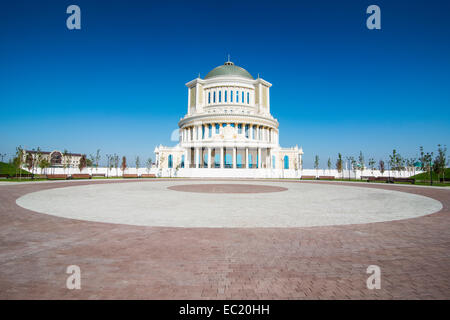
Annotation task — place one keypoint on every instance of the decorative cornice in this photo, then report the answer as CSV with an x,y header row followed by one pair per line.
x,y
225,117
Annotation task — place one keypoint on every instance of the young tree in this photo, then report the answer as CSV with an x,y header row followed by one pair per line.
x,y
29,160
426,159
138,162
44,164
116,163
440,162
65,162
361,162
339,163
329,165
372,164
354,165
149,164
19,161
381,166
316,164
124,164
97,159
90,162
109,164
82,163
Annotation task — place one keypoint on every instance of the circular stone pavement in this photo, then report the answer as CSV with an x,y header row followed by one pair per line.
x,y
226,188
153,203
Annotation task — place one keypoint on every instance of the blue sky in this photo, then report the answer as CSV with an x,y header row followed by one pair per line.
x,y
118,83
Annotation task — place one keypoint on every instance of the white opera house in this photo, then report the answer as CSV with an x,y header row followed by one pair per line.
x,y
228,131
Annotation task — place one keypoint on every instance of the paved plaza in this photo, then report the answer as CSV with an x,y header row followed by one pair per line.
x,y
223,239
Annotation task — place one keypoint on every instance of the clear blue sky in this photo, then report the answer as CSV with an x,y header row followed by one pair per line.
x,y
118,83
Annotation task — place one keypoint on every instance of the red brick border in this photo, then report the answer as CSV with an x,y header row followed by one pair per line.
x,y
120,261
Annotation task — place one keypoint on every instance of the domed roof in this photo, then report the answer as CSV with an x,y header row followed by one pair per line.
x,y
229,69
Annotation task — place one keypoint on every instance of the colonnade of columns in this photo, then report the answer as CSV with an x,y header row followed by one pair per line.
x,y
205,157
210,130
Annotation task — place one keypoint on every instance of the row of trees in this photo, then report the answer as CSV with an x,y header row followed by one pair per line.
x,y
113,162
396,162
38,160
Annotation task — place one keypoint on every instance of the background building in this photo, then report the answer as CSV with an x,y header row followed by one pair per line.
x,y
229,131
55,158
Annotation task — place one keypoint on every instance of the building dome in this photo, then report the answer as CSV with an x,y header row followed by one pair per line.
x,y
229,69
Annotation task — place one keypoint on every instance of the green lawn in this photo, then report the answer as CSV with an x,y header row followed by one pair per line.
x,y
426,176
6,168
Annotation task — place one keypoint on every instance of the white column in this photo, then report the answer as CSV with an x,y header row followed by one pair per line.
x,y
209,157
259,158
234,157
221,157
196,157
246,158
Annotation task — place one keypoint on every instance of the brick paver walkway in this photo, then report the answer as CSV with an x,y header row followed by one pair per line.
x,y
132,262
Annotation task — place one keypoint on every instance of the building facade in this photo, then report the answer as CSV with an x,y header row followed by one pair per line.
x,y
228,130
55,158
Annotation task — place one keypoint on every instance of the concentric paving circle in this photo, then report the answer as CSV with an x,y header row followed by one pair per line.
x,y
227,188
151,203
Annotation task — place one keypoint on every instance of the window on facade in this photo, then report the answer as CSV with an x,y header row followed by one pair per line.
x,y
182,161
237,96
224,125
286,162
254,132
246,130
220,96
214,97
170,161
209,130
231,96
225,93
217,128
232,124
242,97
240,128
203,132
209,97
248,98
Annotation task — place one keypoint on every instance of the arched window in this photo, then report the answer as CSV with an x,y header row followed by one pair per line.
x,y
246,130
254,133
220,96
248,98
217,128
209,130
209,97
231,96
286,162
224,125
225,95
56,158
170,161
242,97
214,97
182,161
237,96
239,128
